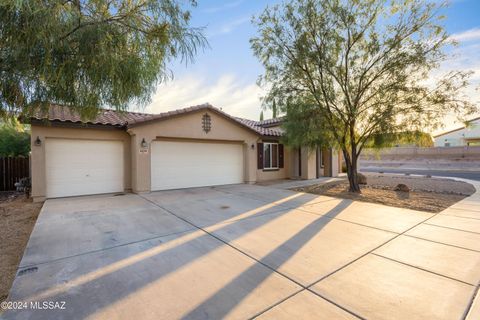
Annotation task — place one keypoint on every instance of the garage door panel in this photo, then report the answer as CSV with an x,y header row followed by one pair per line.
x,y
81,167
194,164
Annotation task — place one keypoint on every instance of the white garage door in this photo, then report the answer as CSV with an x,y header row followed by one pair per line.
x,y
195,164
81,167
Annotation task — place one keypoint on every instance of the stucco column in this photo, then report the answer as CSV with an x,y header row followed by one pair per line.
x,y
141,174
37,169
250,161
334,162
309,165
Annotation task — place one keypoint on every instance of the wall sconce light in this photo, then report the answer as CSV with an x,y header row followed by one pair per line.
x,y
38,142
252,146
144,143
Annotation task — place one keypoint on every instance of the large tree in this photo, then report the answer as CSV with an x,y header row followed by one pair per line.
x,y
347,71
89,54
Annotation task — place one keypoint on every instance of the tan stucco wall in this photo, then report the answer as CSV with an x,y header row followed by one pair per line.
x,y
50,132
183,127
283,173
189,126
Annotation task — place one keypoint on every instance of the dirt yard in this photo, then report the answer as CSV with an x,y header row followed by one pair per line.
x,y
17,217
426,194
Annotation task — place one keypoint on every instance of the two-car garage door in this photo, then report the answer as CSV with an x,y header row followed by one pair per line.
x,y
81,167
185,164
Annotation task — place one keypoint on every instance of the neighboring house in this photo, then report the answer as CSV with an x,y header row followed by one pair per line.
x,y
139,152
464,136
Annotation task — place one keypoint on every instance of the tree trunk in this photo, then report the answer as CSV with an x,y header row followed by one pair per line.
x,y
352,174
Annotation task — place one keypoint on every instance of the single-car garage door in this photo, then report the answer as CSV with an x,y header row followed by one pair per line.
x,y
81,167
177,165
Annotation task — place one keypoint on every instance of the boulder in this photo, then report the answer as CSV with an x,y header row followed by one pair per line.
x,y
402,187
362,179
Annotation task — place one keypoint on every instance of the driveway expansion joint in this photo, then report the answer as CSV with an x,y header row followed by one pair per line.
x,y
374,249
257,261
208,231
454,215
438,242
422,269
101,250
224,242
472,300
436,225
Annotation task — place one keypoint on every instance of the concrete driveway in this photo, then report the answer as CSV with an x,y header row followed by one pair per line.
x,y
246,251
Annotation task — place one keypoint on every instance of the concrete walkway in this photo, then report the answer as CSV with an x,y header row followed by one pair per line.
x,y
288,184
243,251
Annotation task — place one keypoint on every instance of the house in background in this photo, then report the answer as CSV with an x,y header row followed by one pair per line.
x,y
464,136
140,152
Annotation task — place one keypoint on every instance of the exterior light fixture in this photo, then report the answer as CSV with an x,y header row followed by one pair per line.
x,y
38,142
252,146
144,143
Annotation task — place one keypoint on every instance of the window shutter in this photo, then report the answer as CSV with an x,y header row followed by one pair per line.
x,y
280,155
259,155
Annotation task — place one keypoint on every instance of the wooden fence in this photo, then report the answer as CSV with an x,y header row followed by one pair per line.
x,y
12,170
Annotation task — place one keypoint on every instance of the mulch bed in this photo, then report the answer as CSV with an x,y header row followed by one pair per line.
x,y
427,194
17,218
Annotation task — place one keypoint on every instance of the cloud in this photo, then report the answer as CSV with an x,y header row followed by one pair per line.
x,y
468,35
225,6
228,27
236,97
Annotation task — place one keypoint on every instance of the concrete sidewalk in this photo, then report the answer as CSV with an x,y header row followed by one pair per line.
x,y
288,184
246,251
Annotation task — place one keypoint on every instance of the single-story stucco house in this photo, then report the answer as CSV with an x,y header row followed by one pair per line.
x,y
139,152
465,136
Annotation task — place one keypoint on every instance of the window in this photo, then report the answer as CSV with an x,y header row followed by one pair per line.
x,y
447,144
270,155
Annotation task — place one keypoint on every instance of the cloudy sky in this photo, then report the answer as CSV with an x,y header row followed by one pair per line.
x,y
225,74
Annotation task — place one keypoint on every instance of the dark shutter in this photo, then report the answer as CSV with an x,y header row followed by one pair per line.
x,y
280,155
260,155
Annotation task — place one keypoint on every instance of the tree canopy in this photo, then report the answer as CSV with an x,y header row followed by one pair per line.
x,y
346,71
388,140
14,140
89,54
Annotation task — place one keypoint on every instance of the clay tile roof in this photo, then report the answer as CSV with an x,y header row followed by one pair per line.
x,y
104,117
258,126
271,122
130,119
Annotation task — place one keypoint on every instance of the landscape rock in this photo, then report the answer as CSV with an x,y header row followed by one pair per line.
x,y
362,179
402,187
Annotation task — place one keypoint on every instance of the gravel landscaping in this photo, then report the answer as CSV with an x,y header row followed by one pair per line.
x,y
426,194
17,218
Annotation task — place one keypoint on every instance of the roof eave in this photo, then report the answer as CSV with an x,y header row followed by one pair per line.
x,y
71,124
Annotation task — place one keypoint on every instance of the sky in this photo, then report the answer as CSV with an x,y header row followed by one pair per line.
x,y
225,74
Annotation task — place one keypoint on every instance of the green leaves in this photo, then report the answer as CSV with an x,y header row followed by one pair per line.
x,y
353,74
13,140
364,66
89,54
